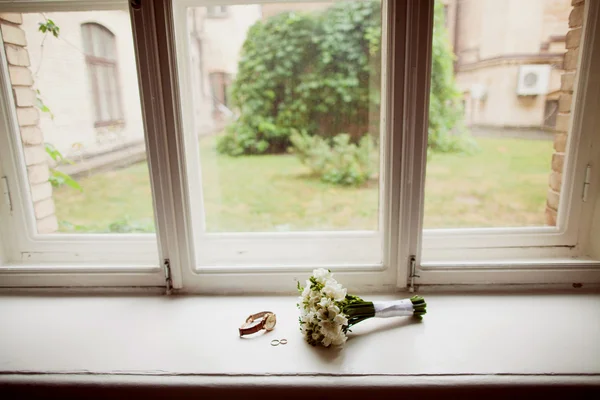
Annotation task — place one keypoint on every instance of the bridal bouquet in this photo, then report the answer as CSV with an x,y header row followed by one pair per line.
x,y
327,311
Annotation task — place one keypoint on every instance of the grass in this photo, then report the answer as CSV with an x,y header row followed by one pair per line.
x,y
118,196
504,184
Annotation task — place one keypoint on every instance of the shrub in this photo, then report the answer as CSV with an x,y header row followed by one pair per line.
x,y
446,132
337,160
306,72
320,74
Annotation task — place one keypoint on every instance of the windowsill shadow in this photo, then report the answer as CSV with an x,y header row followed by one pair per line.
x,y
335,355
330,355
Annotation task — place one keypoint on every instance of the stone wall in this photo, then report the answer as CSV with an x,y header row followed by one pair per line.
x,y
565,102
32,139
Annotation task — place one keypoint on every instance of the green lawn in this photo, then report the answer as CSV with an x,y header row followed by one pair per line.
x,y
504,184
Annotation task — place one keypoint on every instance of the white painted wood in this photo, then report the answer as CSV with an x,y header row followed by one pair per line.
x,y
462,334
84,276
232,251
588,121
573,233
411,97
510,272
256,263
23,245
594,240
154,38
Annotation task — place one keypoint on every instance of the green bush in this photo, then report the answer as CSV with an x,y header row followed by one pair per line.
x,y
446,132
320,73
315,73
337,160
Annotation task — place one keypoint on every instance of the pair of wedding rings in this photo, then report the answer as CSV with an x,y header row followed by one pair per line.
x,y
277,342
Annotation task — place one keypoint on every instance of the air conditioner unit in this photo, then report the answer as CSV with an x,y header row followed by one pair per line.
x,y
533,79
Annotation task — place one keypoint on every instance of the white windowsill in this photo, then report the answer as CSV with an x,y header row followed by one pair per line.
x,y
542,338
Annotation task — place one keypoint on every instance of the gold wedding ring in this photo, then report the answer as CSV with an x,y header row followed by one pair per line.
x,y
283,341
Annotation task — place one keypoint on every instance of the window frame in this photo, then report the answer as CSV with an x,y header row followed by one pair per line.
x,y
398,124
96,63
558,254
217,11
45,260
406,52
221,79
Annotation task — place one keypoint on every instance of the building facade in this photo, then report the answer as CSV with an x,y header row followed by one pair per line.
x,y
509,60
87,77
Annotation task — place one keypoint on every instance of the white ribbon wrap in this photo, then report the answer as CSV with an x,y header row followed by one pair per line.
x,y
396,308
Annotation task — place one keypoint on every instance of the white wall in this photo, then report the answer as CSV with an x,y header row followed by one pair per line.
x,y
502,106
215,46
61,76
513,29
224,37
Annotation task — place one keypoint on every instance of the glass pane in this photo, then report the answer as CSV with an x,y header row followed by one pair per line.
x,y
287,111
104,88
114,93
84,177
494,113
88,44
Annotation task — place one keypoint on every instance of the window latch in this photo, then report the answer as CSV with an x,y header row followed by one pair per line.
x,y
586,182
168,278
6,193
413,273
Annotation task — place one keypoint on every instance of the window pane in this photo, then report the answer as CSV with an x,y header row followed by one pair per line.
x,y
115,100
495,114
288,117
103,85
83,176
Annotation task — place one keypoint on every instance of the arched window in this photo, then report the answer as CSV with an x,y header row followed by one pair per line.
x,y
99,45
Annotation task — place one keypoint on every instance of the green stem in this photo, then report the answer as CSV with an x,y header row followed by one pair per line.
x,y
358,310
419,306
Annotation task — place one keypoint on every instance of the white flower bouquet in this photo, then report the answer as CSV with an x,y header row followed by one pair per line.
x,y
327,311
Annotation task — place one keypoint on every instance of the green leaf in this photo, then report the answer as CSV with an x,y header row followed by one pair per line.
x,y
49,26
40,104
58,178
320,72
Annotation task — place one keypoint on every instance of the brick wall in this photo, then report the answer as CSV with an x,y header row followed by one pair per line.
x,y
32,139
565,103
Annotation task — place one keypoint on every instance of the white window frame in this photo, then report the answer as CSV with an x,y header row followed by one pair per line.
x,y
138,261
558,254
244,255
39,260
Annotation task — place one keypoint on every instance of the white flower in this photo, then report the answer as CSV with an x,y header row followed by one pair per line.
x,y
334,290
333,311
306,291
325,303
321,275
321,319
314,299
341,320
